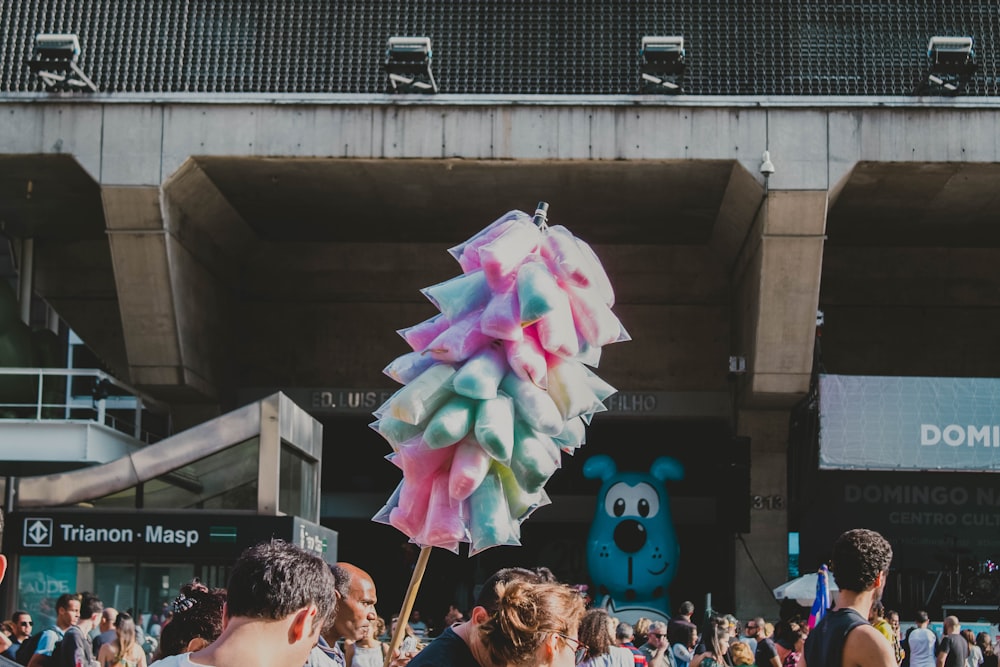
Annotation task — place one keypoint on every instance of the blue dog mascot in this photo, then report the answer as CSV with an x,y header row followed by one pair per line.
x,y
632,549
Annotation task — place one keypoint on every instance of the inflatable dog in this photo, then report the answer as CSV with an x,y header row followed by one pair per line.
x,y
632,549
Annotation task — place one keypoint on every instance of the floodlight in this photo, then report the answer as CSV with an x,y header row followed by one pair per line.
x,y
55,62
951,64
408,65
949,50
662,66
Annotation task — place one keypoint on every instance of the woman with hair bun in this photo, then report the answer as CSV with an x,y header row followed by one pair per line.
x,y
534,625
196,620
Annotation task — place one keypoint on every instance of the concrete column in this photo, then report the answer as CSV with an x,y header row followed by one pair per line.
x,y
776,283
767,542
170,304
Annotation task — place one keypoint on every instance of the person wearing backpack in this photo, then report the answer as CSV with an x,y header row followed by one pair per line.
x,y
36,650
76,648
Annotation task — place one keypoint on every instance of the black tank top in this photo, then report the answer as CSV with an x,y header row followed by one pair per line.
x,y
825,643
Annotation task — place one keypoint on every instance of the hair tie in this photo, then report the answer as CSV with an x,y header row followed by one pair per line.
x,y
182,603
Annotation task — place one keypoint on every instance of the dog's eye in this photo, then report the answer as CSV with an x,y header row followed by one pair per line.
x,y
643,507
619,507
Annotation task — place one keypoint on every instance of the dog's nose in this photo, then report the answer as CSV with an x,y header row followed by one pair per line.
x,y
630,536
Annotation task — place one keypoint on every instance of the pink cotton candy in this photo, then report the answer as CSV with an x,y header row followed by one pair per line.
x,y
502,316
418,461
467,253
564,257
503,255
410,515
526,358
419,336
592,317
556,332
596,276
468,469
445,524
460,341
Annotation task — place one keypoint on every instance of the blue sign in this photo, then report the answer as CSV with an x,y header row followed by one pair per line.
x,y
909,423
41,580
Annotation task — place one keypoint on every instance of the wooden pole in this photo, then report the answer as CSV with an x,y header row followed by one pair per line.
x,y
408,599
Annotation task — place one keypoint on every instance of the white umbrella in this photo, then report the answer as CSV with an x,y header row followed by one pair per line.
x,y
802,589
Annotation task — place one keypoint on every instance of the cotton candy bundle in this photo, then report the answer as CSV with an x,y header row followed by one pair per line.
x,y
496,387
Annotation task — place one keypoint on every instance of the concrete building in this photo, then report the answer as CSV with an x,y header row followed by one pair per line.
x,y
242,206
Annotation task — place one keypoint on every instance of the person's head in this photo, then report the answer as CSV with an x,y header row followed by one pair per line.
x,y
985,643
196,621
922,618
877,611
379,626
279,582
125,630
716,639
893,618
969,637
91,608
657,634
534,624
488,595
7,629
594,632
741,654
686,609
860,561
624,633
641,628
108,618
798,638
415,616
692,637
68,609
951,625
23,625
756,628
356,600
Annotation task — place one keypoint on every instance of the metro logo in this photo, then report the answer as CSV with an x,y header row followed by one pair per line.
x,y
160,535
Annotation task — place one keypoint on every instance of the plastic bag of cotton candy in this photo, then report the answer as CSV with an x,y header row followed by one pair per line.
x,y
497,385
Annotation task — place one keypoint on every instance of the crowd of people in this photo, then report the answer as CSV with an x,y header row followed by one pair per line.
x,y
284,606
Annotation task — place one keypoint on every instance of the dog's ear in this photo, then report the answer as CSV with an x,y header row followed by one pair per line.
x,y
599,467
665,468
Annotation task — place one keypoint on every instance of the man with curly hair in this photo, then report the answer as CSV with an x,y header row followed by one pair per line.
x,y
843,638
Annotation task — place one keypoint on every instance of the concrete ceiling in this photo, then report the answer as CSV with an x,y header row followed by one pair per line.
x,y
650,202
49,197
944,204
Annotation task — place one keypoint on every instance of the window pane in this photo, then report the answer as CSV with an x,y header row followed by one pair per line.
x,y
226,480
297,490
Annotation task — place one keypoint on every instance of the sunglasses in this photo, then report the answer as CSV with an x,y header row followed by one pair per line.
x,y
25,623
658,635
580,651
751,627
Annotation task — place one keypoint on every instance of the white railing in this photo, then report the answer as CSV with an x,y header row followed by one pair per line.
x,y
60,396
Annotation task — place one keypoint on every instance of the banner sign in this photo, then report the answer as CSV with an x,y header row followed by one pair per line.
x,y
153,534
936,522
909,423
